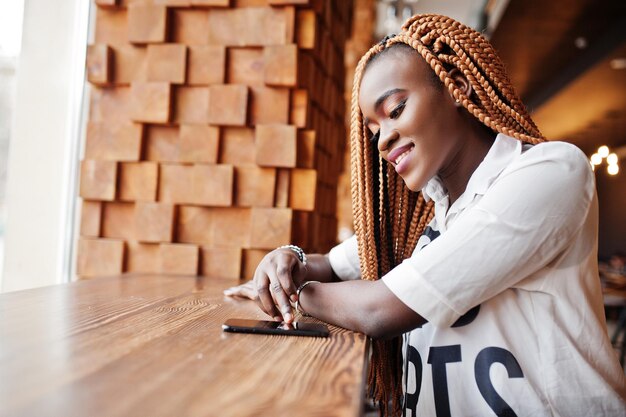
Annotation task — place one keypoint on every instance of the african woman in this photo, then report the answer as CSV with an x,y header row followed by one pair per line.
x,y
474,264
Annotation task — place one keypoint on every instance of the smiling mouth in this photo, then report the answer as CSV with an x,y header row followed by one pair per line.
x,y
404,151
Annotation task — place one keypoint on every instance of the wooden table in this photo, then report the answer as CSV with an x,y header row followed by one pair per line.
x,y
153,346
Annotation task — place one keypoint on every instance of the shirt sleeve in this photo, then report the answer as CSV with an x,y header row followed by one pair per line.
x,y
344,259
525,219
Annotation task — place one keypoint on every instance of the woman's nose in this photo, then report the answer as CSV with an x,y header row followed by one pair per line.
x,y
386,138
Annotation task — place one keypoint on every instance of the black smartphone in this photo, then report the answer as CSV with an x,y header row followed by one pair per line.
x,y
275,327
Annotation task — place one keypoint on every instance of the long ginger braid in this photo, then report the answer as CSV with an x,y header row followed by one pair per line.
x,y
388,217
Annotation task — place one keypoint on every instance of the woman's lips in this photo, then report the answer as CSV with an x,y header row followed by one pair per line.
x,y
398,157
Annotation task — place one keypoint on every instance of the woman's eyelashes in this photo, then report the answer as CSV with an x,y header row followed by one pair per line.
x,y
397,111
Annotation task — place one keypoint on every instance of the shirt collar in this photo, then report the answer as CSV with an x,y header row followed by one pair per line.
x,y
501,153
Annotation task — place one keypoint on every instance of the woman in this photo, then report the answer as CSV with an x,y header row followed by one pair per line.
x,y
475,243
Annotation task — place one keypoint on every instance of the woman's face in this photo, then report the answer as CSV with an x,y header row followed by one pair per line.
x,y
415,123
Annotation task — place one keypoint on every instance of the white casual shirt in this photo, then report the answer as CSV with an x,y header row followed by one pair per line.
x,y
507,279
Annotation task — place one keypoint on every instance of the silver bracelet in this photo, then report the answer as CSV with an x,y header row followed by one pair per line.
x,y
298,291
298,251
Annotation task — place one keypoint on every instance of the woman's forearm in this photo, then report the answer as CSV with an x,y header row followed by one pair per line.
x,y
364,306
317,269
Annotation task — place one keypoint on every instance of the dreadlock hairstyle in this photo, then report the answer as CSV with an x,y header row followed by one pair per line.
x,y
388,217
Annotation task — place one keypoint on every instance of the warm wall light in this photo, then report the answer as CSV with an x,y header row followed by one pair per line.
x,y
596,159
611,160
603,151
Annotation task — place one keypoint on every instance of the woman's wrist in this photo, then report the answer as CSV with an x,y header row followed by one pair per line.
x,y
298,275
301,288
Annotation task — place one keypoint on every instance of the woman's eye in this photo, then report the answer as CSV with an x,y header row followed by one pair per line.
x,y
375,136
397,111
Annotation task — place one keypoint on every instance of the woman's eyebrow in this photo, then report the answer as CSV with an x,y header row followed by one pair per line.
x,y
385,95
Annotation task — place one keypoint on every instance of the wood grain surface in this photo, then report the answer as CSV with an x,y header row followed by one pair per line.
x,y
153,345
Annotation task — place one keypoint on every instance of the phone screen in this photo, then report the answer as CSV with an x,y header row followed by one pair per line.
x,y
275,327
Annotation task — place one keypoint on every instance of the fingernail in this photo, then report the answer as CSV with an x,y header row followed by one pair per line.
x,y
228,292
288,317
294,297
277,318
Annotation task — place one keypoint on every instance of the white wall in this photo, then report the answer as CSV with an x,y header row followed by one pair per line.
x,y
43,152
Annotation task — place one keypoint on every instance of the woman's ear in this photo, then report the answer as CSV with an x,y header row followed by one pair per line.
x,y
461,82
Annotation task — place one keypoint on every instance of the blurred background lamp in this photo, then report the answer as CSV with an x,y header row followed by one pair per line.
x,y
603,151
596,159
612,169
611,159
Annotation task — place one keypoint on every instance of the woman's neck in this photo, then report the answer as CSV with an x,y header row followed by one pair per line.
x,y
475,145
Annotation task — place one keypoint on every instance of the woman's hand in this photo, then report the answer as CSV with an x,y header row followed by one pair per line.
x,y
276,279
275,282
246,290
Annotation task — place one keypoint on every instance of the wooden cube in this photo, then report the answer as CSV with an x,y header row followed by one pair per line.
x,y
251,3
283,177
130,64
162,143
276,145
213,185
302,189
306,29
190,26
174,3
199,143
302,229
254,186
281,65
106,3
167,63
237,146
110,104
118,220
138,181
220,262
271,227
212,3
100,257
99,64
287,2
90,218
151,102
306,149
111,26
98,179
251,260
194,225
143,257
245,66
269,105
113,141
154,222
299,115
230,227
251,26
191,105
228,105
147,23
176,184
207,65
179,259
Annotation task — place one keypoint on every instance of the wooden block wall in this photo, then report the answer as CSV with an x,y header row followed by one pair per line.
x,y
216,133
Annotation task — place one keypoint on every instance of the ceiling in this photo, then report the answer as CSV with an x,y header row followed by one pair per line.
x,y
567,59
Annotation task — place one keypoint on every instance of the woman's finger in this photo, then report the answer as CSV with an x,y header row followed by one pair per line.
x,y
246,290
280,296
262,283
284,268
